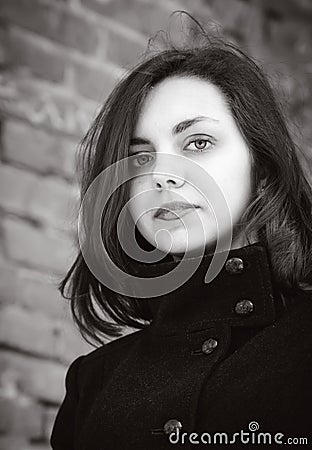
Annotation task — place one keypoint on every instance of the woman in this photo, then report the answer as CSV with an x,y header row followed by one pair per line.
x,y
225,361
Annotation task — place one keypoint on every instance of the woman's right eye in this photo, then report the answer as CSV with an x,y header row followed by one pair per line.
x,y
141,159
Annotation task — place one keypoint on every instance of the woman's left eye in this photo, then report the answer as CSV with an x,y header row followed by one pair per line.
x,y
200,144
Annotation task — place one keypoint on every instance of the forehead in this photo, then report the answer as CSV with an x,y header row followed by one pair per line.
x,y
179,98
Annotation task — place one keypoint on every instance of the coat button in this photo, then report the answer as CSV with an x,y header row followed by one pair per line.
x,y
234,265
172,425
209,346
244,307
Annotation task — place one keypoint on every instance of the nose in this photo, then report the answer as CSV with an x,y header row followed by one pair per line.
x,y
166,181
168,172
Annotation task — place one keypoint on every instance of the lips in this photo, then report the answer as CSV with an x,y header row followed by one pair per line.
x,y
173,210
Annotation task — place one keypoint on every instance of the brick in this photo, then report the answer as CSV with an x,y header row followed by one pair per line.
x,y
141,16
301,10
44,105
35,445
123,51
50,200
54,202
290,41
20,417
62,25
13,443
38,149
232,14
16,186
38,379
42,60
48,419
283,83
70,343
21,329
243,21
32,291
31,246
202,9
76,111
94,83
4,54
77,32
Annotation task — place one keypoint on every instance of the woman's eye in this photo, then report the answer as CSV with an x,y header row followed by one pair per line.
x,y
141,159
199,144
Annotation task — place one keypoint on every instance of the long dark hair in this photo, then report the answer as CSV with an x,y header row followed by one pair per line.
x,y
280,214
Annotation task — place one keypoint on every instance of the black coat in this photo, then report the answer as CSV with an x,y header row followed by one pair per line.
x,y
229,356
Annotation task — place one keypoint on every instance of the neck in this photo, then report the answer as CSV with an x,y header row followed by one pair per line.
x,y
245,281
237,242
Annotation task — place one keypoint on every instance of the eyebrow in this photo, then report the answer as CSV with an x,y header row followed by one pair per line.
x,y
177,129
182,126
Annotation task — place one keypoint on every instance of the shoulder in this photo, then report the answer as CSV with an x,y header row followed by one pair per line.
x,y
120,343
299,309
297,317
103,358
287,344
294,327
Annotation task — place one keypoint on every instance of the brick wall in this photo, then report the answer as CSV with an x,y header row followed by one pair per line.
x,y
59,60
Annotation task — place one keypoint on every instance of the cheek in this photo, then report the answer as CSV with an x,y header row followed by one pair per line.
x,y
232,175
137,202
237,186
138,184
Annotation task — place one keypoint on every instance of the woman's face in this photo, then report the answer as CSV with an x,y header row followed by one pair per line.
x,y
187,117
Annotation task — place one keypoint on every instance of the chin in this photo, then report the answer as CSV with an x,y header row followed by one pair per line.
x,y
194,250
177,242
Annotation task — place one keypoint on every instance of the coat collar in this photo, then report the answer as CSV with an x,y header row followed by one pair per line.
x,y
246,297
